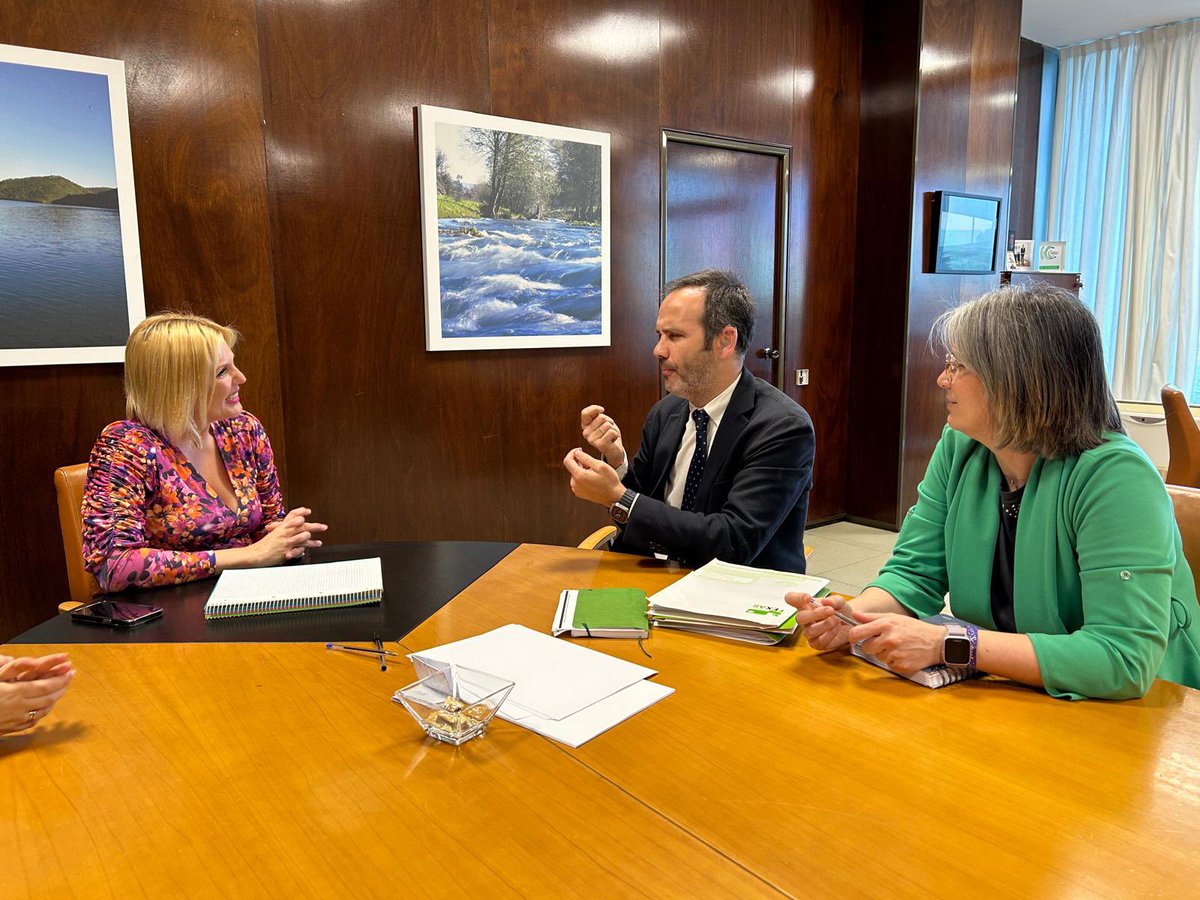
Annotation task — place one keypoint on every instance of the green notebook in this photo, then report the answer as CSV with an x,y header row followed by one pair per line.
x,y
604,612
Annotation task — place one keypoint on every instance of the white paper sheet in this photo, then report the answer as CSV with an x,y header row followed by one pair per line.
x,y
579,728
554,679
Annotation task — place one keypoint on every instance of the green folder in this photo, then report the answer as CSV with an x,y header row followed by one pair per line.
x,y
602,612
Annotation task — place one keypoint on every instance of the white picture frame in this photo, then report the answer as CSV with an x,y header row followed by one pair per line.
x,y
1051,256
81,308
517,261
1022,256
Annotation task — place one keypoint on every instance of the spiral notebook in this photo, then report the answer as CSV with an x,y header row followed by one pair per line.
x,y
251,592
932,676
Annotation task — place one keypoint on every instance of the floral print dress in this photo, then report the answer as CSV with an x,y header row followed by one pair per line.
x,y
150,519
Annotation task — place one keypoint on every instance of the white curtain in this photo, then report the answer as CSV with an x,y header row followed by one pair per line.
x,y
1124,193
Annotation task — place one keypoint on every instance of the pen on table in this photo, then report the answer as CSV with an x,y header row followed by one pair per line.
x,y
382,653
842,616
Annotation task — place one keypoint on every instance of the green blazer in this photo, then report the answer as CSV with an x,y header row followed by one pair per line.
x,y
1100,582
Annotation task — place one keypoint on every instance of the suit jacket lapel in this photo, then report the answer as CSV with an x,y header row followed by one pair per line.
x,y
733,423
667,448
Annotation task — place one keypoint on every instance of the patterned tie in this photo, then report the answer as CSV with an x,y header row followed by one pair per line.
x,y
699,455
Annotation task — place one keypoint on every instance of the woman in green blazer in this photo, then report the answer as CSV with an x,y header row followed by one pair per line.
x,y
1050,529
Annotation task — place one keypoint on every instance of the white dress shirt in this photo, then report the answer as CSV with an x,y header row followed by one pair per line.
x,y
683,459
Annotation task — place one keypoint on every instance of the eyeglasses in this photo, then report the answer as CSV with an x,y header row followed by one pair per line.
x,y
953,367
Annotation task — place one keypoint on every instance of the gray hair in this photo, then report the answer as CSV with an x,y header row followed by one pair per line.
x,y
727,301
1037,352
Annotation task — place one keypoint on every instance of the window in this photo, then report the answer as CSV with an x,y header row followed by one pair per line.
x,y
1124,193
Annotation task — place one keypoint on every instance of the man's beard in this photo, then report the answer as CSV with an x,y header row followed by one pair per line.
x,y
695,382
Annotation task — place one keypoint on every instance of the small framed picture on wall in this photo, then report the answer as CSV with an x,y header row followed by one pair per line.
x,y
965,231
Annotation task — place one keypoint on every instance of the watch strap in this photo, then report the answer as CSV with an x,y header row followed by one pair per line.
x,y
622,508
973,637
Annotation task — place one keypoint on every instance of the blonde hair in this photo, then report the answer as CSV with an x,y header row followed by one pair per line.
x,y
169,371
1037,351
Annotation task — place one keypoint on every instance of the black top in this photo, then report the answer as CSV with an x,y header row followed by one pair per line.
x,y
1002,565
419,578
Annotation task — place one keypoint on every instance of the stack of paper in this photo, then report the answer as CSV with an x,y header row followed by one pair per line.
x,y
563,691
731,601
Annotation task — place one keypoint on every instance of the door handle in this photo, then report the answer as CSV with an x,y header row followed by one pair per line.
x,y
768,353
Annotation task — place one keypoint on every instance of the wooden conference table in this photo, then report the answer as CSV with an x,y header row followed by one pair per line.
x,y
271,769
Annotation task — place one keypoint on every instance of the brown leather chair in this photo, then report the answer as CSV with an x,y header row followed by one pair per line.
x,y
68,485
1187,514
1183,439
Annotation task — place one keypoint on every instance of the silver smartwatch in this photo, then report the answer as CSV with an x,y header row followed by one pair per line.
x,y
956,646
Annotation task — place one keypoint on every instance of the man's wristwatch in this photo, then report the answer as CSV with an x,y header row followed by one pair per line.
x,y
620,510
958,646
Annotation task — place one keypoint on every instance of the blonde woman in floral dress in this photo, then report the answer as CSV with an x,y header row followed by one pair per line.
x,y
186,485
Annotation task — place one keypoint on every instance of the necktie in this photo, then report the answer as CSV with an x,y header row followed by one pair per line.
x,y
696,467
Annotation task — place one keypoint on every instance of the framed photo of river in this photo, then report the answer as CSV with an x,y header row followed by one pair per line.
x,y
70,268
515,227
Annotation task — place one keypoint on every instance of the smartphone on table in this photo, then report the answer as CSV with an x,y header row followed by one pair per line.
x,y
116,613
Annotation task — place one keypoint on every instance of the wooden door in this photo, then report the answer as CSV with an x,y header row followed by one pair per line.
x,y
725,207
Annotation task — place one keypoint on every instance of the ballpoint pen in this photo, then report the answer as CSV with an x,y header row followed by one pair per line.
x,y
841,616
382,653
368,650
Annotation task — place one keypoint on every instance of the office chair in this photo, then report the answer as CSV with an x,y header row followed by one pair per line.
x,y
602,538
1187,514
1183,439
68,485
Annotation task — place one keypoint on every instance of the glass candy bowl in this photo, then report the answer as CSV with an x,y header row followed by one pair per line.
x,y
454,705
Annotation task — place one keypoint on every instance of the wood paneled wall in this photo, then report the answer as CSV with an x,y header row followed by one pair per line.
x,y
890,61
195,115
389,441
964,142
276,180
1026,134
961,116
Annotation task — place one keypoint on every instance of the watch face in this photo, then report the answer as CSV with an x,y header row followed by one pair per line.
x,y
620,510
957,651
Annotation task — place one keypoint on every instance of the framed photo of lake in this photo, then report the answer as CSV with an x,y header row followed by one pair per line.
x,y
515,229
71,289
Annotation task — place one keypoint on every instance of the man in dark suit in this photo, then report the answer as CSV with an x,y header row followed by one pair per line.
x,y
725,464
